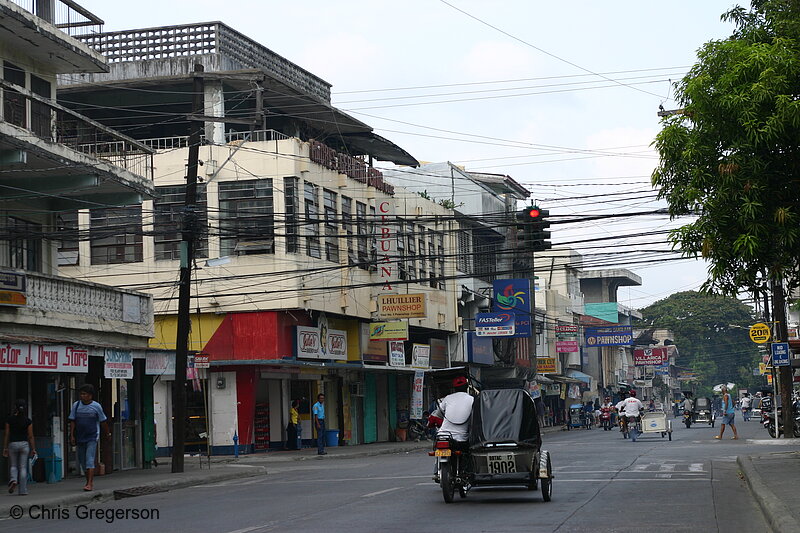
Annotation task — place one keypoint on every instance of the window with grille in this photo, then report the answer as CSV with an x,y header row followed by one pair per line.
x,y
411,239
331,226
363,235
168,216
440,249
24,244
311,199
292,217
347,226
373,246
246,217
41,114
67,229
485,257
116,235
464,257
433,282
423,248
401,250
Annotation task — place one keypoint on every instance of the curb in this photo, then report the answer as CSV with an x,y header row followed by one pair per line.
x,y
169,484
775,511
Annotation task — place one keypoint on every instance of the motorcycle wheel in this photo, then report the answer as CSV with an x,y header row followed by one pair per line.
x,y
547,484
771,431
448,484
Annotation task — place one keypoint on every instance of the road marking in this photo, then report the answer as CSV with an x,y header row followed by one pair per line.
x,y
774,442
696,467
668,467
377,493
664,476
246,529
626,480
337,480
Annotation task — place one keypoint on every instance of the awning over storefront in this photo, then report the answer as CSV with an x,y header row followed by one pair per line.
x,y
580,376
544,379
563,379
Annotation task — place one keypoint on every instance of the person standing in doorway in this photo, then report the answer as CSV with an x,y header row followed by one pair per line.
x,y
291,428
18,445
728,414
85,421
319,423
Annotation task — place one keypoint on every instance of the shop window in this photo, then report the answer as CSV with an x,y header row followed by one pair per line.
x,y
168,207
116,235
311,200
246,217
24,244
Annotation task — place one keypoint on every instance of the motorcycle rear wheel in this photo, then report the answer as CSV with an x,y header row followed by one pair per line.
x,y
448,484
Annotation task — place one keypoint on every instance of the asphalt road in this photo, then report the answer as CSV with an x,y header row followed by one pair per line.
x,y
603,483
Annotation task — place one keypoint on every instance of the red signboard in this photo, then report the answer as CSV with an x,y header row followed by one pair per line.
x,y
650,356
567,346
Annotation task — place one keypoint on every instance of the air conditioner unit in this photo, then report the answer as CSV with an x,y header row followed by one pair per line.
x,y
254,247
356,389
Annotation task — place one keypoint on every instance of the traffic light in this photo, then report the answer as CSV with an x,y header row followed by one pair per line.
x,y
533,224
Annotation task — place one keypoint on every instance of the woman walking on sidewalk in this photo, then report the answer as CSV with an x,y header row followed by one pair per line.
x,y
728,414
18,445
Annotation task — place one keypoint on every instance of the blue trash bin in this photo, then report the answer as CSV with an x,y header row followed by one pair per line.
x,y
332,437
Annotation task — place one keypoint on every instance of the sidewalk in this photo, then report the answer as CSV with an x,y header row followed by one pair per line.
x,y
773,479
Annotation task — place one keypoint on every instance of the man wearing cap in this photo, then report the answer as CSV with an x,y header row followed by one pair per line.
x,y
453,411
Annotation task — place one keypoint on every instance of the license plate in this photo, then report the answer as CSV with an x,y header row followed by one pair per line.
x,y
502,464
442,453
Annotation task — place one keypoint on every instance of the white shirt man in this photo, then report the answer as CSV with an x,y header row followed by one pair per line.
x,y
454,410
632,406
747,401
687,404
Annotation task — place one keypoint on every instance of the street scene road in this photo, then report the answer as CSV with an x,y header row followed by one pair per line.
x,y
603,483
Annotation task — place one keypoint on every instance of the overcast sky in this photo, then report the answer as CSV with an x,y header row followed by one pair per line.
x,y
562,96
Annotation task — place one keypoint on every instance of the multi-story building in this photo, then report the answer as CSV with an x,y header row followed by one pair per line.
x,y
56,332
299,240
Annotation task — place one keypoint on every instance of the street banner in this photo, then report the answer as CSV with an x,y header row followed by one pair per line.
x,y
388,331
514,296
416,395
495,324
420,355
118,364
546,365
566,331
397,353
401,305
567,346
609,336
650,356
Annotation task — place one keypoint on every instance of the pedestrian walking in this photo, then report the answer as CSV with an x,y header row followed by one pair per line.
x,y
291,428
18,445
318,411
86,418
728,414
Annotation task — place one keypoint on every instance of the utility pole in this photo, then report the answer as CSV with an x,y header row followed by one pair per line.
x,y
785,373
188,236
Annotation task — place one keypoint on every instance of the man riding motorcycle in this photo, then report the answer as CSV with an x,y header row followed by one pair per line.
x,y
688,407
631,409
452,415
605,413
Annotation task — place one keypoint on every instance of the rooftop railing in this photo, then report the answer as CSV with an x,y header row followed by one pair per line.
x,y
65,15
52,122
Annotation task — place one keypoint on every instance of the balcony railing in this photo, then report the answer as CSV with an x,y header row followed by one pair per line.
x,y
182,141
348,165
52,122
66,15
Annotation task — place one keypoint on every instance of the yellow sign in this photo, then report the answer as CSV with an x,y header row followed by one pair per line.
x,y
760,333
401,305
546,365
13,298
388,331
762,368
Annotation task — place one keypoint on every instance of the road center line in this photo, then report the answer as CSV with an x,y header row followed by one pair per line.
x,y
371,494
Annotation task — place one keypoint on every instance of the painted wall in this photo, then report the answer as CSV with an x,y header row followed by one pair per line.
x,y
223,409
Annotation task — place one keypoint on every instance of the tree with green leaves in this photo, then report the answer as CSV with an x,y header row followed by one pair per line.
x,y
711,333
731,156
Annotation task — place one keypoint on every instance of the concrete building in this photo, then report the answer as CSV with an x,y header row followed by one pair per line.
x,y
300,239
57,332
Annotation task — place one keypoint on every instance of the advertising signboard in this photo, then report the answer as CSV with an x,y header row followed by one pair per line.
x,y
388,331
479,349
420,356
650,356
309,343
495,324
566,331
514,296
567,346
546,365
397,353
416,395
401,305
609,336
13,289
41,358
118,364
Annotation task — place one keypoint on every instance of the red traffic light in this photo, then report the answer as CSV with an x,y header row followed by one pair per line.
x,y
534,212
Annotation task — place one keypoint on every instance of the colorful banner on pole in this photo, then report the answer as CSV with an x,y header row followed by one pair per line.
x,y
416,395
